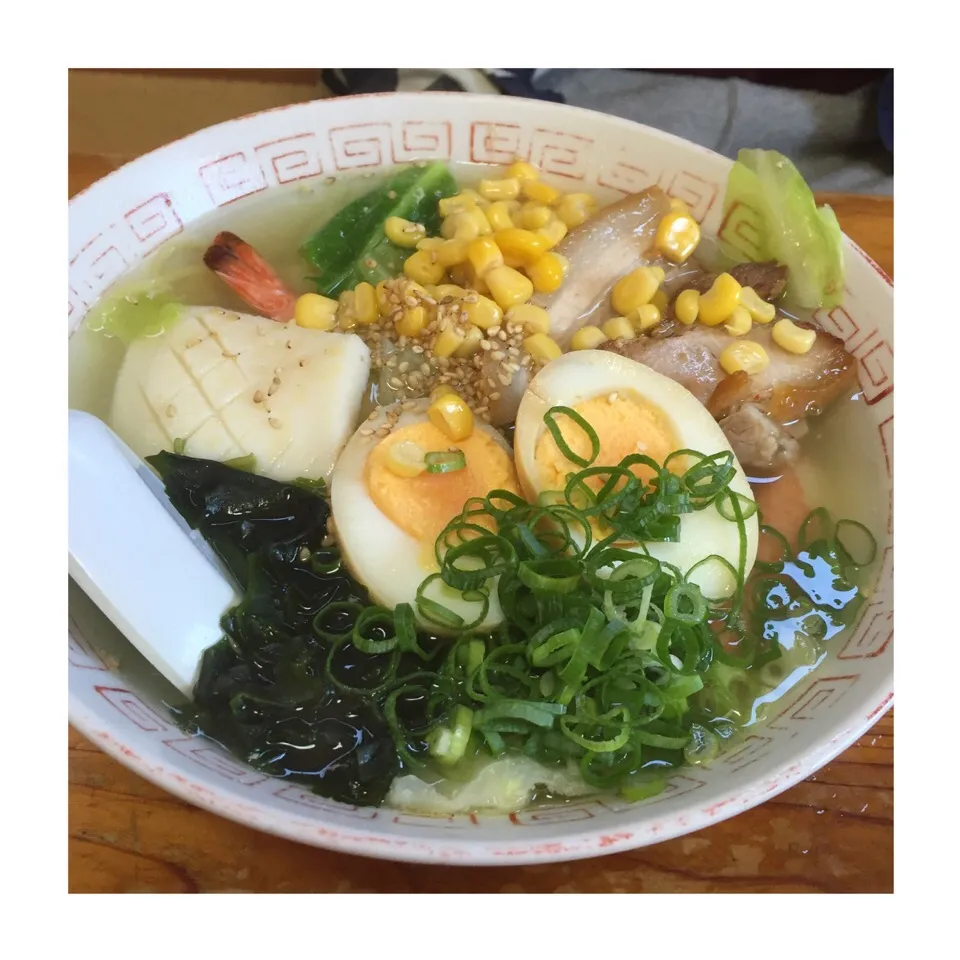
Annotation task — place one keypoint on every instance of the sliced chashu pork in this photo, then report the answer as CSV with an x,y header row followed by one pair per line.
x,y
762,415
229,384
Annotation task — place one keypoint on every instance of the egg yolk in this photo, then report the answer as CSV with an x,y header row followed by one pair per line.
x,y
624,422
422,506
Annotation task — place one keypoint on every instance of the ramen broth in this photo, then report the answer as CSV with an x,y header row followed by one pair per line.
x,y
838,467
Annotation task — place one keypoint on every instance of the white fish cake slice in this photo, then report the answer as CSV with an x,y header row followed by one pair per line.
x,y
229,406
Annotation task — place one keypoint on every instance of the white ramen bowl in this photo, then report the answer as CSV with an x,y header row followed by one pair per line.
x,y
130,213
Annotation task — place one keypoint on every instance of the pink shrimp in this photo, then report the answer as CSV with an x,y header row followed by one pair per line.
x,y
250,276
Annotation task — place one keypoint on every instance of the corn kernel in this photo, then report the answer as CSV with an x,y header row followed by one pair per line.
x,y
554,231
447,342
498,216
547,273
523,171
451,415
619,328
384,306
506,189
443,290
540,192
687,306
480,219
739,322
789,336
542,348
523,245
441,390
315,312
635,289
470,345
661,301
532,319
406,459
645,318
677,236
508,287
346,316
588,338
760,311
576,208
457,226
420,267
484,313
533,216
365,303
412,321
678,205
744,355
402,232
484,254
457,204
719,301
451,252
430,244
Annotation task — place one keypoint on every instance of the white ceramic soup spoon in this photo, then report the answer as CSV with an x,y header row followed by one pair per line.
x,y
134,555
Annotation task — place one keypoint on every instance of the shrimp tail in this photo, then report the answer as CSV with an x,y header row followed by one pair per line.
x,y
250,276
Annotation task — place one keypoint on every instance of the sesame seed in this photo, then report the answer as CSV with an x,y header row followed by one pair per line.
x,y
612,398
404,367
408,404
275,423
417,348
392,194
289,344
373,416
424,368
502,335
366,431
272,389
304,553
303,363
491,383
498,354
383,432
485,345
495,395
195,342
493,331
258,397
395,382
171,411
505,380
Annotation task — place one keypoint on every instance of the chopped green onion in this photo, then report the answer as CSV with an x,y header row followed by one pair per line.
x,y
869,542
550,420
684,603
447,744
445,461
703,746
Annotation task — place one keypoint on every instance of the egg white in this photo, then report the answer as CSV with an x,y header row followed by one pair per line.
x,y
383,557
582,375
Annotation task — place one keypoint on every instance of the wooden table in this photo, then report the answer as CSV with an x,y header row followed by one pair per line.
x,y
831,833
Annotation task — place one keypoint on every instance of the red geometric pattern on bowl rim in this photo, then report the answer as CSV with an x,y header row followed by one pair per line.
x,y
264,151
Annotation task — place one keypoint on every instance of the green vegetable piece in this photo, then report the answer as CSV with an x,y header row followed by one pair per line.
x,y
352,247
131,314
247,463
780,220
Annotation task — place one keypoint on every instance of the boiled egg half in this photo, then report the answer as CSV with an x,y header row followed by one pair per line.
x,y
632,409
387,523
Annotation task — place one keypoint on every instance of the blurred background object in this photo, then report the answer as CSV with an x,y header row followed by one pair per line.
x,y
837,125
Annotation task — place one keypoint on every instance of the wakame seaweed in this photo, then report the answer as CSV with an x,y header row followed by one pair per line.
x,y
262,691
